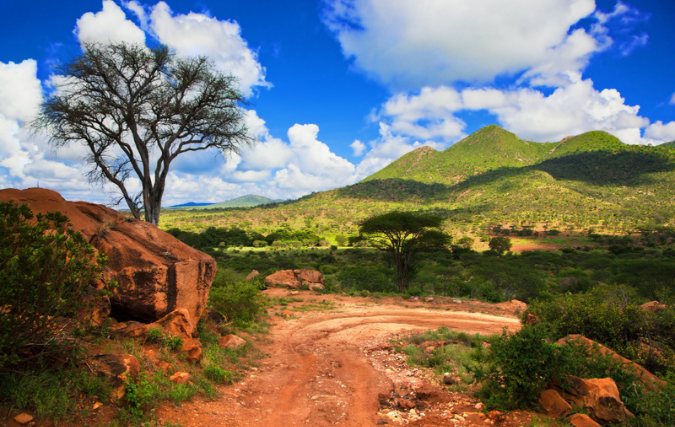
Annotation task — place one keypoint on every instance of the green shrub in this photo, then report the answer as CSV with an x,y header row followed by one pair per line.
x,y
182,392
45,270
154,335
517,367
138,395
173,342
218,374
238,300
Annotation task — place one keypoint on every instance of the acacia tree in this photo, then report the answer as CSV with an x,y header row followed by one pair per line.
x,y
403,234
500,244
136,109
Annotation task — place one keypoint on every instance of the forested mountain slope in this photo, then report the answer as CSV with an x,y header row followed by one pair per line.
x,y
492,177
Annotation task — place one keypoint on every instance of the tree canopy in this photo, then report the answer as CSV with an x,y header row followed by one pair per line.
x,y
403,234
500,244
136,109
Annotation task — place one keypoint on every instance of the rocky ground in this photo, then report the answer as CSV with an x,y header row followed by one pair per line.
x,y
334,366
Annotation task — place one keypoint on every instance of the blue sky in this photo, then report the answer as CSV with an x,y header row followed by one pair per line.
x,y
340,88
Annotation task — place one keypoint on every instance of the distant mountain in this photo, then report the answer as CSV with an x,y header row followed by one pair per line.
x,y
489,149
190,205
670,144
245,202
240,202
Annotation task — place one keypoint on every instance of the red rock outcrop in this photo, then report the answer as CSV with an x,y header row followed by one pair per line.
x,y
646,377
156,272
294,279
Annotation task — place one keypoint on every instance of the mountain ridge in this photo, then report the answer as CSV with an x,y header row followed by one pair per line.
x,y
250,200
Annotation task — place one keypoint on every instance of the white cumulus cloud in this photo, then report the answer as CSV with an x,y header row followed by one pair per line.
x,y
108,25
431,114
358,147
407,44
220,40
661,132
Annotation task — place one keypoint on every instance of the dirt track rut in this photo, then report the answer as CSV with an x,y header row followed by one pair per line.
x,y
318,373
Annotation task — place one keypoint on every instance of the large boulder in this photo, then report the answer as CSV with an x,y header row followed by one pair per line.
x,y
599,396
294,279
156,272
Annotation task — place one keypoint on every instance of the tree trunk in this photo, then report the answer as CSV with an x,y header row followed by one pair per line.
x,y
152,209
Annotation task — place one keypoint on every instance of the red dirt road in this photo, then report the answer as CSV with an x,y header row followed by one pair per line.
x,y
322,369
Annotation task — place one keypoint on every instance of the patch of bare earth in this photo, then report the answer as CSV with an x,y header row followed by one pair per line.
x,y
335,367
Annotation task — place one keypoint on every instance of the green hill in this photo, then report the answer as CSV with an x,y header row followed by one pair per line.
x,y
492,177
489,148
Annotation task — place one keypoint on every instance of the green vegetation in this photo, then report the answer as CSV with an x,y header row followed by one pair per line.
x,y
611,315
45,271
500,244
465,273
236,299
516,367
444,351
403,234
491,178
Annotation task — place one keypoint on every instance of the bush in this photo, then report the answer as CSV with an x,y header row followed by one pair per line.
x,y
607,314
517,367
238,300
45,270
218,374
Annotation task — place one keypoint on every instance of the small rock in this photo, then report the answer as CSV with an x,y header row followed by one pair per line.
x,y
495,415
231,341
450,380
582,420
318,287
479,406
404,403
97,405
429,299
23,419
180,378
653,306
553,405
252,275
